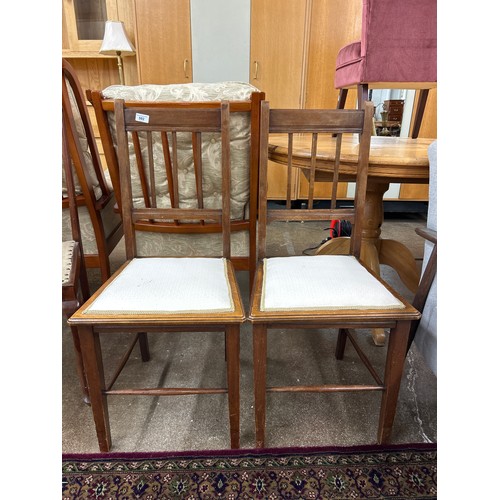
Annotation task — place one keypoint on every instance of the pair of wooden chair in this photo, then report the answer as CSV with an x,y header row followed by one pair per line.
x,y
160,293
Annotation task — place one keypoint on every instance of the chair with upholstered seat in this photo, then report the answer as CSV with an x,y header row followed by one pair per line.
x,y
195,238
100,224
162,293
323,291
75,286
424,331
397,50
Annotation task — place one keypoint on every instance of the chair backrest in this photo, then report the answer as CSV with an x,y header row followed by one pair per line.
x,y
157,135
68,177
100,224
399,40
74,274
90,181
304,128
244,106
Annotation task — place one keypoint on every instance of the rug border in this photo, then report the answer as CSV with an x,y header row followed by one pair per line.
x,y
146,455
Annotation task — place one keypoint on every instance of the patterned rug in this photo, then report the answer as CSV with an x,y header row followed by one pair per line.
x,y
396,472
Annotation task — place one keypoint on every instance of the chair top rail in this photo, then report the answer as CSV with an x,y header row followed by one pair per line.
x,y
316,121
179,120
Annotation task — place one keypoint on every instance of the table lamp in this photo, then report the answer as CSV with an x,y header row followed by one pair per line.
x,y
115,41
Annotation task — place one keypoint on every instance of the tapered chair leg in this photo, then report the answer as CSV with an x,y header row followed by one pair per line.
x,y
342,98
232,337
79,365
259,381
419,113
144,346
362,94
341,341
92,360
396,355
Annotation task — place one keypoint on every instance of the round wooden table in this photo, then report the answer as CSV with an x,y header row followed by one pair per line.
x,y
392,159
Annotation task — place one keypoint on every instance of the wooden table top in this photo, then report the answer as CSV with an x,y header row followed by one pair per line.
x,y
392,159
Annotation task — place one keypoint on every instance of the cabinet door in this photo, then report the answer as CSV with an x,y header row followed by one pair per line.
x,y
83,25
334,24
277,44
163,41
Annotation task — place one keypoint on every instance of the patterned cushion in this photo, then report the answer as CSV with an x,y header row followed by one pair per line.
x,y
82,137
166,286
325,282
110,220
68,248
211,145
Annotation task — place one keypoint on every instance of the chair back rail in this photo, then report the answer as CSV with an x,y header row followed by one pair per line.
x,y
313,122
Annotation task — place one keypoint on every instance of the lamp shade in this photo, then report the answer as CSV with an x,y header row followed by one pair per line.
x,y
116,40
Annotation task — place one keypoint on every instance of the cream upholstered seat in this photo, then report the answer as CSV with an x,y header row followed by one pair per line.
x,y
164,237
164,293
322,291
194,286
298,283
100,225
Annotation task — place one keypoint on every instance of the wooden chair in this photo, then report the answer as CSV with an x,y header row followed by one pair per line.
x,y
397,50
424,331
165,293
197,238
323,291
100,224
75,287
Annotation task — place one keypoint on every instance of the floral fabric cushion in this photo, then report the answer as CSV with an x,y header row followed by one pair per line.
x,y
192,244
82,137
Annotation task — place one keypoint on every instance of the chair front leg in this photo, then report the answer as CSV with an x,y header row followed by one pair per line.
x,y
394,364
92,361
259,381
232,341
79,365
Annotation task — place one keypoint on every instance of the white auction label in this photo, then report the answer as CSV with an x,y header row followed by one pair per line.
x,y
141,118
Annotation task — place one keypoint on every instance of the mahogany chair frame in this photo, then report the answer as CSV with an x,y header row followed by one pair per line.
x,y
75,289
103,106
331,122
105,243
165,119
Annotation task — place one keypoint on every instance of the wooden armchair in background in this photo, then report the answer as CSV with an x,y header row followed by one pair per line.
x,y
100,225
196,237
75,286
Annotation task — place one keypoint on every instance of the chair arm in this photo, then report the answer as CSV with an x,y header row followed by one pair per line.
x,y
428,234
